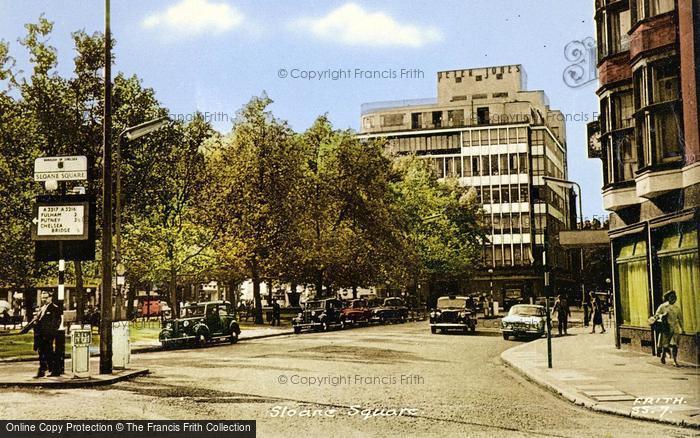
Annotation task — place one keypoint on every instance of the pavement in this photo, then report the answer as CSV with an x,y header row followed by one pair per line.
x,y
589,371
19,372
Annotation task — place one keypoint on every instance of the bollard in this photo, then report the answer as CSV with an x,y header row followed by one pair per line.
x,y
81,338
121,345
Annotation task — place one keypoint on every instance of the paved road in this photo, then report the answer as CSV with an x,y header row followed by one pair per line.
x,y
318,384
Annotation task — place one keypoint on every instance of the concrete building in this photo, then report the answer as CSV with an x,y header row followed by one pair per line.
x,y
647,138
486,129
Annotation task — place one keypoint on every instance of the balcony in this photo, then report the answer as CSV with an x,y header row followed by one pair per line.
x,y
620,196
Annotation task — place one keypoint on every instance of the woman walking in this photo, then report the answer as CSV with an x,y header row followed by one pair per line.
x,y
669,319
597,309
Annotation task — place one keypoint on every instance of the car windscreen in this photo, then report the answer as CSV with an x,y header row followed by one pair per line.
x,y
446,303
359,304
194,311
393,302
314,305
526,311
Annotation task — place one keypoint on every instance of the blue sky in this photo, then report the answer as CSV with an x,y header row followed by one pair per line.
x,y
213,55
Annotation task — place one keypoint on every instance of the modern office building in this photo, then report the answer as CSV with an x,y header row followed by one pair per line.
x,y
647,138
486,129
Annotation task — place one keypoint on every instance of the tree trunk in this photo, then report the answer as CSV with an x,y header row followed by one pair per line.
x,y
293,296
174,304
232,289
269,293
256,290
79,292
319,283
130,297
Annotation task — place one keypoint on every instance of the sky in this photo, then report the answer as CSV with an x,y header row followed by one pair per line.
x,y
212,56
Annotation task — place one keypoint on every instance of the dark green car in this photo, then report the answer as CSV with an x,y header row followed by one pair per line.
x,y
201,323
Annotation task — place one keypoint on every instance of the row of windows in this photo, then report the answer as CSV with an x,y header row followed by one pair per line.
x,y
652,108
502,164
502,194
421,143
494,136
507,223
505,255
540,137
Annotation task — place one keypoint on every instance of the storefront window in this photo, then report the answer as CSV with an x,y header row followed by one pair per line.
x,y
678,262
632,280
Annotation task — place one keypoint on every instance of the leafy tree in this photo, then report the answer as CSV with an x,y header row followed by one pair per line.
x,y
252,193
441,219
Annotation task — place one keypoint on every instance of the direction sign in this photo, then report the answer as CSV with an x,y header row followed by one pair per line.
x,y
72,168
60,222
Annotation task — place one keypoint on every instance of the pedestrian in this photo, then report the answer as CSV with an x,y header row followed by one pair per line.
x,y
669,326
276,310
597,309
561,308
586,309
45,325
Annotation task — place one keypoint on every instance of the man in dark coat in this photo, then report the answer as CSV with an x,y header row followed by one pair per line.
x,y
45,324
276,310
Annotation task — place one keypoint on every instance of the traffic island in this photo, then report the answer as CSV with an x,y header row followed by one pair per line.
x,y
21,375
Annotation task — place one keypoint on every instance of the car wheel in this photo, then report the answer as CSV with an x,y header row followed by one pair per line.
x,y
297,330
505,336
465,329
472,328
199,341
433,330
382,319
234,337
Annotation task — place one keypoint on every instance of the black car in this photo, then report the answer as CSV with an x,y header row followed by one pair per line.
x,y
201,323
319,315
453,313
391,309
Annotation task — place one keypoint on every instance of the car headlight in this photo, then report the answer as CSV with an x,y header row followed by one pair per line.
x,y
168,326
186,323
463,314
300,315
432,314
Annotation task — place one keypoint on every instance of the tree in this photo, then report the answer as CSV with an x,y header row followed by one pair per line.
x,y
441,221
349,234
253,193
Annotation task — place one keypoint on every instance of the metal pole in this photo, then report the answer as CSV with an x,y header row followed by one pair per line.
x,y
106,296
545,264
118,229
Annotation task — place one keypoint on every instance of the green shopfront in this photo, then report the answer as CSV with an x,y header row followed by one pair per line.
x,y
650,259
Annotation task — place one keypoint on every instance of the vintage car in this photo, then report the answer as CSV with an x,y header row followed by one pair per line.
x,y
201,323
356,311
391,309
319,315
453,313
524,320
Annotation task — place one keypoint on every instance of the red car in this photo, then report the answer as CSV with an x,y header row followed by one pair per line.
x,y
356,312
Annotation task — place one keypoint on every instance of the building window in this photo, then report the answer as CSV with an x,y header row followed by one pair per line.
x,y
416,120
437,119
622,109
392,120
665,134
455,117
632,281
494,165
678,263
482,116
486,198
495,195
664,82
476,170
485,167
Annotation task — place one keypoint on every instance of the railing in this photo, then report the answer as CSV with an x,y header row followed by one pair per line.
x,y
387,104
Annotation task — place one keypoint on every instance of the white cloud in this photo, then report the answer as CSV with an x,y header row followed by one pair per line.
x,y
352,25
195,17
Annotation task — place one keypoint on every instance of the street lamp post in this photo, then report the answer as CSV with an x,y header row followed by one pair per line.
x,y
580,209
106,296
131,133
490,287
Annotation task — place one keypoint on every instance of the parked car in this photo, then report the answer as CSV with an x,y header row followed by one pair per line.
x,y
319,315
392,309
356,311
524,320
201,323
453,313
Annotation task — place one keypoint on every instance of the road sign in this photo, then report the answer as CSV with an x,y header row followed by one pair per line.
x,y
58,232
72,168
60,221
